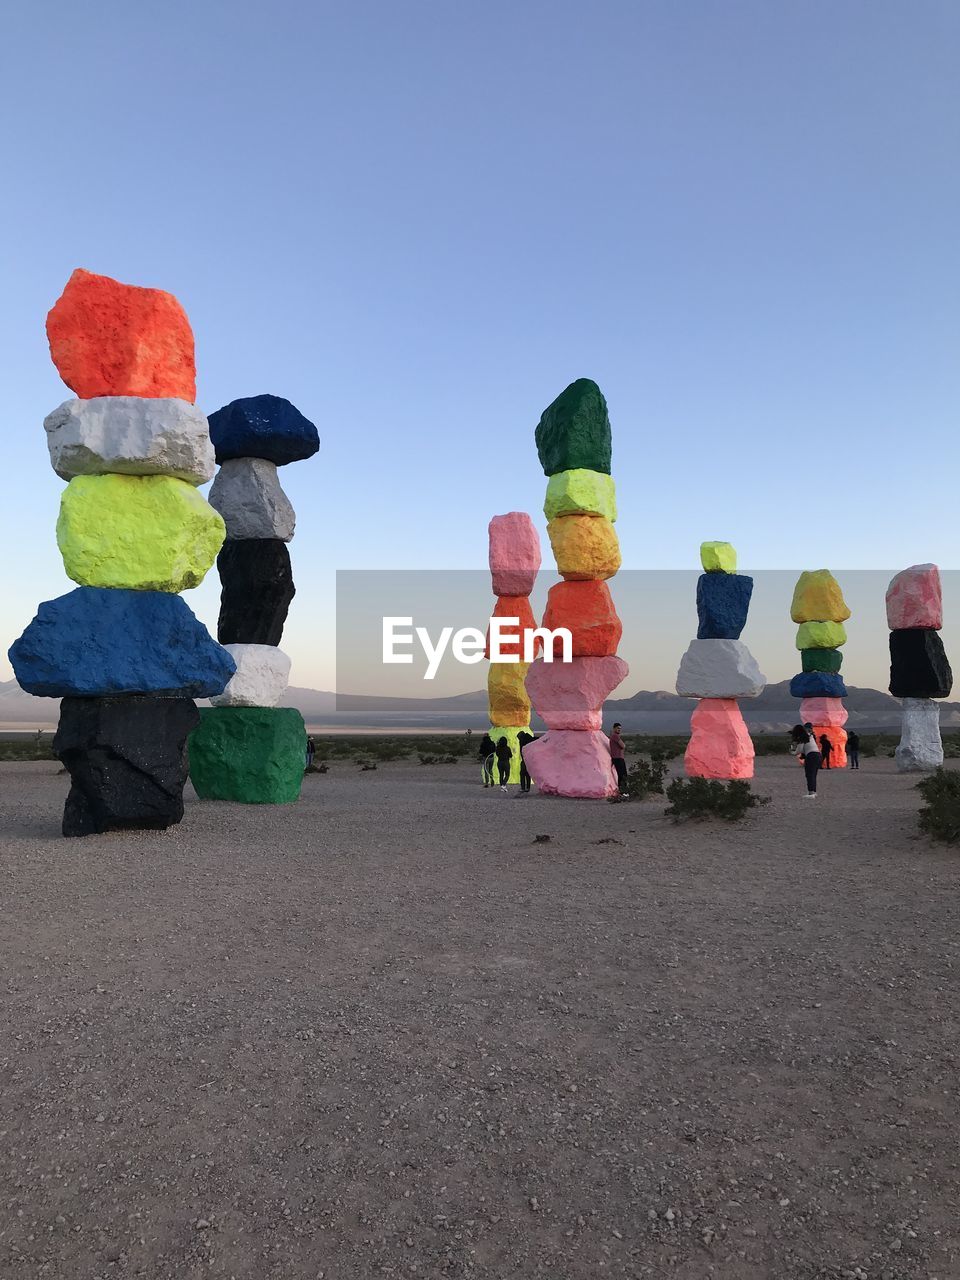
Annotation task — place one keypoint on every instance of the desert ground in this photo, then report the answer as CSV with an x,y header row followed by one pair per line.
x,y
388,1033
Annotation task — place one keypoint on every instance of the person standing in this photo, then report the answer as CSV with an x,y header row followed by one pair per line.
x,y
311,751
486,754
853,749
617,757
522,739
504,761
826,747
808,749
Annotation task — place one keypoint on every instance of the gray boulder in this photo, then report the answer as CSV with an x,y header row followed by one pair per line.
x,y
719,669
248,495
921,747
130,435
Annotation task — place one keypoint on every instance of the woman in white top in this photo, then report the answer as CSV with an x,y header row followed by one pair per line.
x,y
808,749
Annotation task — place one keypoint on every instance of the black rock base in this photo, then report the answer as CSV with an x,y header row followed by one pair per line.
x,y
127,761
918,664
257,587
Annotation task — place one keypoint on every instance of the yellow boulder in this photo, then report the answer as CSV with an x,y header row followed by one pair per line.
x,y
144,533
509,704
585,547
817,598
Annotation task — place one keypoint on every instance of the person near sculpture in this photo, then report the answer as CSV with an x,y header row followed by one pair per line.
x,y
617,757
486,753
504,760
311,751
808,749
853,749
826,747
522,740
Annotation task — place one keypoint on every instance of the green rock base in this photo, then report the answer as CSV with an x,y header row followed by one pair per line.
x,y
830,660
252,755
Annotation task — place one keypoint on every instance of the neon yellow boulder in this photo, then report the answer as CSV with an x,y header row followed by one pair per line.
x,y
580,492
718,557
144,533
821,635
499,731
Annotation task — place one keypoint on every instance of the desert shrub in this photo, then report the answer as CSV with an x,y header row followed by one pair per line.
x,y
951,746
772,744
645,778
699,798
940,815
37,747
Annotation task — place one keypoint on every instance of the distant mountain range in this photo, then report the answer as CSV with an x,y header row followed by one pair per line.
x,y
644,712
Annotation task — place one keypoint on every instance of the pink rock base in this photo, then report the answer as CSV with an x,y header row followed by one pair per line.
x,y
829,711
572,762
720,746
570,695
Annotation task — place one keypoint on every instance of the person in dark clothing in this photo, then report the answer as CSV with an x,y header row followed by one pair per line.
x,y
486,753
522,740
808,749
853,749
504,761
826,746
617,758
311,751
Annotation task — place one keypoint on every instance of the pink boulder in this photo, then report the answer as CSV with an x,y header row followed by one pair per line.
x,y
826,711
914,598
514,554
720,746
570,762
570,695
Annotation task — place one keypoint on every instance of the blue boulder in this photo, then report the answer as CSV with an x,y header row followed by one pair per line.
x,y
263,427
95,642
817,684
723,600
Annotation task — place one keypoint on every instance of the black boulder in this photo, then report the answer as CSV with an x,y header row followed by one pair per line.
x,y
127,761
256,590
918,664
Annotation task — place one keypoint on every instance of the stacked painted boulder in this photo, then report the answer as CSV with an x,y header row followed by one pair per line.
x,y
246,748
718,669
574,443
514,564
919,670
820,609
123,651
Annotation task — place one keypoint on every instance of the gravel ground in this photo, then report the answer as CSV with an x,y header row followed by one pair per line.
x,y
386,1033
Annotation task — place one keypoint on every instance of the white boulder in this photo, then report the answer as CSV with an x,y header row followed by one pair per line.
x,y
130,435
719,669
248,495
921,747
261,677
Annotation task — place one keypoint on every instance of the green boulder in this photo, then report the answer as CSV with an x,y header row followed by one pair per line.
x,y
580,493
821,635
821,660
574,431
253,755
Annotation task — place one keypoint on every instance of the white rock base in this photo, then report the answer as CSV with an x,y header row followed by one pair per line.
x,y
921,747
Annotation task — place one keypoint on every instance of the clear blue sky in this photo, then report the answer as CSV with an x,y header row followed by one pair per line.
x,y
420,221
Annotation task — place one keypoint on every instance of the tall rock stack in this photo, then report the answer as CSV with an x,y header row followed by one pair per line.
x,y
718,668
123,651
919,670
246,748
514,564
820,609
573,441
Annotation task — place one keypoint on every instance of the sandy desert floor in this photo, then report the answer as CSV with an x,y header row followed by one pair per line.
x,y
385,1033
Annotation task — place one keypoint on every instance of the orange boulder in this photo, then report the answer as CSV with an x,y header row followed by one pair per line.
x,y
113,339
837,738
512,640
586,610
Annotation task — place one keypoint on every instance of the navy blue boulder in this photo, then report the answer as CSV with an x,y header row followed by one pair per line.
x,y
817,684
723,600
263,427
97,642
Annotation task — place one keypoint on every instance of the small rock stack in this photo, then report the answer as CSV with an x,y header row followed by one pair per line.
x,y
123,651
573,441
718,668
820,609
919,670
246,748
514,564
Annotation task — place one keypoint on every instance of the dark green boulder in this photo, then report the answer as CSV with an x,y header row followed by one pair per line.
x,y
821,660
254,755
575,431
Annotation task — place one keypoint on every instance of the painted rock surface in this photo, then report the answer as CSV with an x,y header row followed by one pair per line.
x,y
818,684
817,598
570,762
570,695
574,431
248,495
823,711
113,339
146,533
720,746
585,547
263,427
509,704
838,741
127,761
256,590
514,554
821,635
921,748
918,664
718,557
915,598
253,755
96,643
723,602
719,669
512,734
586,610
513,641
828,661
132,436
580,492
262,676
